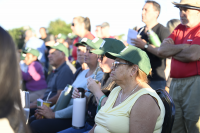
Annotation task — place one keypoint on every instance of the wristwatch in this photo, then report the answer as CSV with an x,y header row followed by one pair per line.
x,y
146,46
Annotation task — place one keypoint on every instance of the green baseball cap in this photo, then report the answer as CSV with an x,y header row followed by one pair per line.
x,y
61,47
133,55
109,45
23,56
95,43
32,51
83,42
61,36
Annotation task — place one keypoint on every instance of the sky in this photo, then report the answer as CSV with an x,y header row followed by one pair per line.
x,y
120,14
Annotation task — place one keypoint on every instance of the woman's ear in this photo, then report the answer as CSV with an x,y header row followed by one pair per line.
x,y
134,70
82,25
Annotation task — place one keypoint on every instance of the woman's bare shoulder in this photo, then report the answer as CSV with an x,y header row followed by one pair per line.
x,y
5,126
146,104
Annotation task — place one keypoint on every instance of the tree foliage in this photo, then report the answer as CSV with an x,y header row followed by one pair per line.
x,y
59,26
121,36
18,36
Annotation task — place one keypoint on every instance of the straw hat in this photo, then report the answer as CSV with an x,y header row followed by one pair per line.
x,y
190,3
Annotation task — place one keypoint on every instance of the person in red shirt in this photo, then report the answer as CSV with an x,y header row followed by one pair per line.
x,y
81,27
98,31
103,30
183,45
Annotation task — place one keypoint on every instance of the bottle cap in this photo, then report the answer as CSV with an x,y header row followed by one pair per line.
x,y
81,92
149,32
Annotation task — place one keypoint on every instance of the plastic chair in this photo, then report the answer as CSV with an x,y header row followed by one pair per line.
x,y
169,110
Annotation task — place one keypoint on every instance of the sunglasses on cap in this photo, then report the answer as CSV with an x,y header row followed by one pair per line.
x,y
116,63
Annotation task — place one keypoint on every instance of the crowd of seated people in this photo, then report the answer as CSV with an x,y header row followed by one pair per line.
x,y
121,81
97,63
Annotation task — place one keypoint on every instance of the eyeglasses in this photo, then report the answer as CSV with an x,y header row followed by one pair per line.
x,y
100,57
73,24
116,63
183,9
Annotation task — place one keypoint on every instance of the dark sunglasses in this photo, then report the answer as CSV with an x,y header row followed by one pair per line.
x,y
183,9
100,57
116,63
73,24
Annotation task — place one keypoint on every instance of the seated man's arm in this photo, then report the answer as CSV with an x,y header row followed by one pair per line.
x,y
64,78
189,54
54,99
34,103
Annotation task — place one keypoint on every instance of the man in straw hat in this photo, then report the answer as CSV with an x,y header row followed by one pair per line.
x,y
184,47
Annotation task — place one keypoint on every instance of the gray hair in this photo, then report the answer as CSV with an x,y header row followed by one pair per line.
x,y
172,24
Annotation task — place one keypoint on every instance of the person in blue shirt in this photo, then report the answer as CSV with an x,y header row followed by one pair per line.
x,y
35,43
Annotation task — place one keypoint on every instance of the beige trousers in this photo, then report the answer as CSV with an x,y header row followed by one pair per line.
x,y
185,93
34,95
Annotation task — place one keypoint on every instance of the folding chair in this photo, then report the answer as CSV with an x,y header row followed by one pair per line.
x,y
169,110
25,98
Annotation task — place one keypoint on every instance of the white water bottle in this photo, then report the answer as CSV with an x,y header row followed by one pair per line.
x,y
79,106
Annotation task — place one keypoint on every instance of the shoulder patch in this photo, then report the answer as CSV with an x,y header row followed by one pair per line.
x,y
102,44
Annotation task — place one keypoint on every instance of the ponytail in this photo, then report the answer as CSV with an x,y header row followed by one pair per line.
x,y
87,24
86,21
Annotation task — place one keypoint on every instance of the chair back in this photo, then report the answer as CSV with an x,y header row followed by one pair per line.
x,y
25,98
169,110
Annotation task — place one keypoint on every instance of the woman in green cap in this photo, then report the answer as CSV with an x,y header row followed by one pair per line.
x,y
34,77
105,64
133,106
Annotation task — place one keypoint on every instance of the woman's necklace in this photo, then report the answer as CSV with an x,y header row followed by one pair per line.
x,y
128,95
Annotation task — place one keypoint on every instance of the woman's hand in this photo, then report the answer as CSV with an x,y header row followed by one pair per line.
x,y
93,86
38,116
46,112
75,93
96,90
